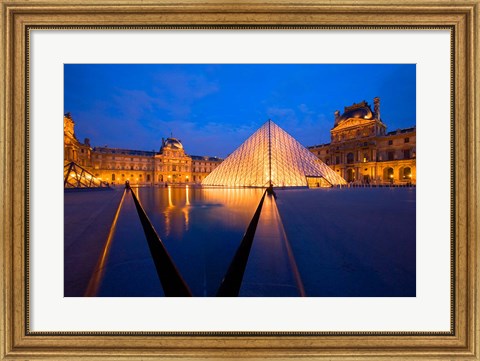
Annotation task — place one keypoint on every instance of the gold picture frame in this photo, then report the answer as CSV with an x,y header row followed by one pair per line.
x,y
18,342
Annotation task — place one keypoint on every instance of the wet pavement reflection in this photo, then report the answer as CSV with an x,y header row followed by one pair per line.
x,y
308,243
129,270
271,269
200,228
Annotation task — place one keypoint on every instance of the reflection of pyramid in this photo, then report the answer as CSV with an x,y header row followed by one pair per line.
x,y
271,155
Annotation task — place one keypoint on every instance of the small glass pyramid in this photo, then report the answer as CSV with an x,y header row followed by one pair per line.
x,y
271,156
74,176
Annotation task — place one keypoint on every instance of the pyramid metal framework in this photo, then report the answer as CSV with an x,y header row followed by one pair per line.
x,y
271,156
74,176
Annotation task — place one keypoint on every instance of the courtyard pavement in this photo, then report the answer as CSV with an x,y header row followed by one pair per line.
x,y
352,242
358,242
271,267
88,216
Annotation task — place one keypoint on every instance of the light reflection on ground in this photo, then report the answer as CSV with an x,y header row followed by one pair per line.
x,y
336,242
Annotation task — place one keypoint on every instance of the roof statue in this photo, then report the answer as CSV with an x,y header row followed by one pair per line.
x,y
270,156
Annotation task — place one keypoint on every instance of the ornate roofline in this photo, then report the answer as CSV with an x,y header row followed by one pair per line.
x,y
362,104
360,122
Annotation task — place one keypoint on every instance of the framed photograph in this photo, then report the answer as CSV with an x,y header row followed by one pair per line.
x,y
253,180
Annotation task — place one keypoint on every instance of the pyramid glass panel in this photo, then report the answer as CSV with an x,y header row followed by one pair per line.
x,y
74,176
270,156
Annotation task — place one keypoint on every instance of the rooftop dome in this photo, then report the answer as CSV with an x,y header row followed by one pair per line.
x,y
357,113
172,143
359,110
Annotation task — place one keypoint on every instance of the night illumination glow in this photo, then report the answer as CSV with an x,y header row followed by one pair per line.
x,y
270,155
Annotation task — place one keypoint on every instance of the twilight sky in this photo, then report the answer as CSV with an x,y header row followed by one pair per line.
x,y
213,108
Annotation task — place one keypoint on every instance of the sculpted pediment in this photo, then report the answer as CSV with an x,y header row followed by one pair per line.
x,y
352,122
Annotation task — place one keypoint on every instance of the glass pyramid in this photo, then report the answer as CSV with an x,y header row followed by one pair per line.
x,y
74,176
271,156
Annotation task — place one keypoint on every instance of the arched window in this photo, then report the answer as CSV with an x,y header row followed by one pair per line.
x,y
349,158
350,175
388,174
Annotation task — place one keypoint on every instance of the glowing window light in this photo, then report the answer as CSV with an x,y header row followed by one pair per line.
x,y
270,154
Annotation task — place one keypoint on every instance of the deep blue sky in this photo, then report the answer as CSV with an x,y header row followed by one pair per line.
x,y
213,108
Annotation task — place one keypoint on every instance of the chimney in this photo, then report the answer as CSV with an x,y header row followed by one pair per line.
x,y
376,107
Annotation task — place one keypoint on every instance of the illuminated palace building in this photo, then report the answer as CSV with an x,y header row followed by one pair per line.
x,y
116,166
361,151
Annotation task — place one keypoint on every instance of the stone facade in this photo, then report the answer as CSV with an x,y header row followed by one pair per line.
x,y
363,152
170,165
73,150
203,166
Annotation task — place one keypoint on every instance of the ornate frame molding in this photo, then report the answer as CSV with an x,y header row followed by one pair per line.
x,y
19,16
